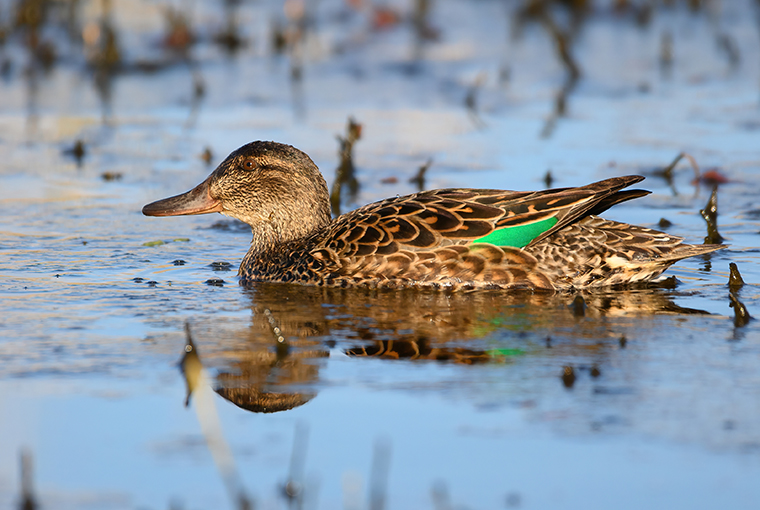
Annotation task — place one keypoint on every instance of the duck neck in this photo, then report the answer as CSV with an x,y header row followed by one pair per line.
x,y
265,239
268,245
264,242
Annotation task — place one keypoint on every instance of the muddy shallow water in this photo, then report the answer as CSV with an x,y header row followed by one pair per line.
x,y
637,398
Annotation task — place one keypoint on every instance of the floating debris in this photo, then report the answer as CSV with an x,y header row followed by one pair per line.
x,y
111,176
710,215
595,372
345,173
178,262
138,279
220,266
712,177
568,376
215,282
741,315
735,280
160,242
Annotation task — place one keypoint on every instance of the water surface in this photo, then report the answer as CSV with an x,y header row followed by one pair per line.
x,y
642,398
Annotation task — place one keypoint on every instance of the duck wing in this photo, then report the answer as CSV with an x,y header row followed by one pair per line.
x,y
440,218
451,236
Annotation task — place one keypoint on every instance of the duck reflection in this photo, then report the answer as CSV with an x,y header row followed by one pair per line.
x,y
419,349
273,364
245,385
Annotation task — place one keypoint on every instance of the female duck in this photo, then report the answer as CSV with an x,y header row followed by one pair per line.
x,y
448,238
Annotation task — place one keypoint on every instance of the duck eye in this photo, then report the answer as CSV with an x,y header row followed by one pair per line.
x,y
249,164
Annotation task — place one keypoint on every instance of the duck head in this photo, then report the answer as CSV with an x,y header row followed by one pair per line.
x,y
274,188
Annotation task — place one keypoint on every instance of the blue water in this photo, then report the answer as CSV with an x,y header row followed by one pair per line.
x,y
89,382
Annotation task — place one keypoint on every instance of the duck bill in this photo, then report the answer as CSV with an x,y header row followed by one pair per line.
x,y
196,201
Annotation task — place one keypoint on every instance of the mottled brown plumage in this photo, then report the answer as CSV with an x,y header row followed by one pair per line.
x,y
449,238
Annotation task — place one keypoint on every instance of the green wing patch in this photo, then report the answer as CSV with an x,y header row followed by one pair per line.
x,y
518,236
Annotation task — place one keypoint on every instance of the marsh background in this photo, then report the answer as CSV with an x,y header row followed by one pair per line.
x,y
642,398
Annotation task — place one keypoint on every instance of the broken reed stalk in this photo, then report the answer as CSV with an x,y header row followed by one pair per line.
x,y
345,173
667,172
419,178
735,280
199,386
710,215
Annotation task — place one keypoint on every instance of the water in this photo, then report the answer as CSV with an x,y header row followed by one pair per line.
x,y
462,395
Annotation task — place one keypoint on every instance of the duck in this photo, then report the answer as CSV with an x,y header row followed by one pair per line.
x,y
445,239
